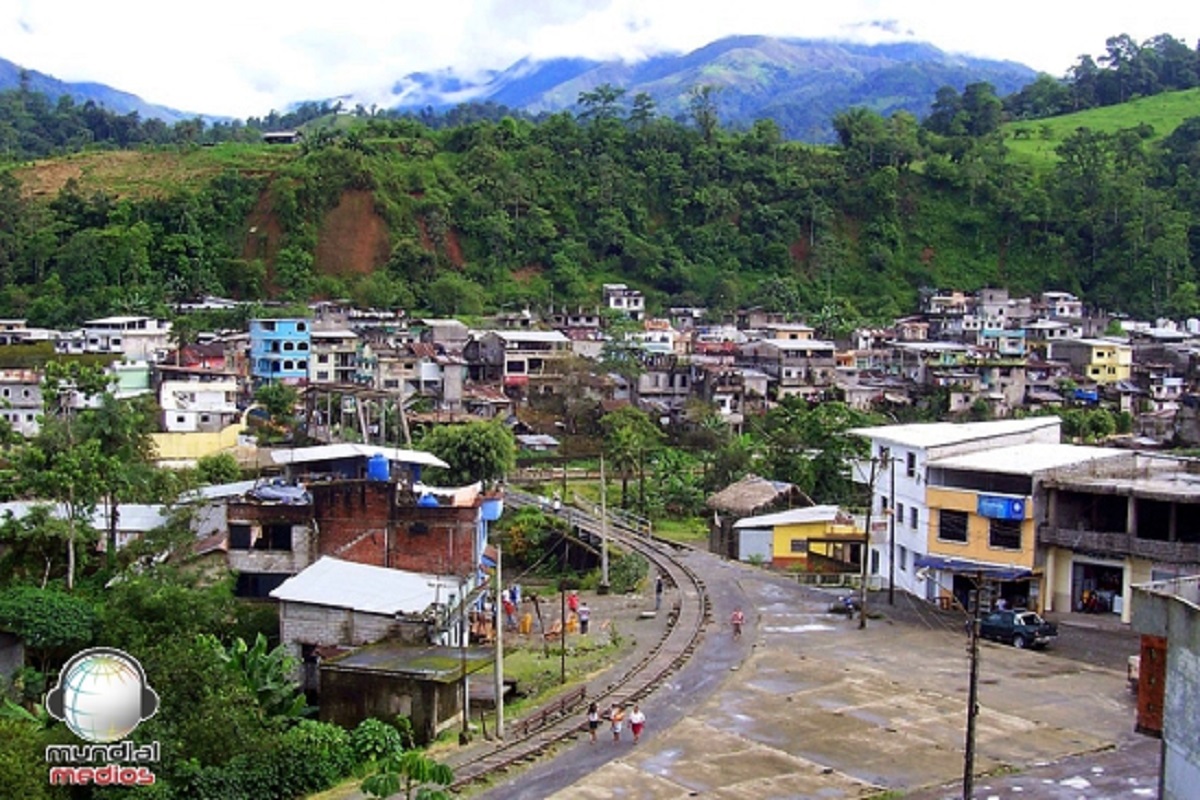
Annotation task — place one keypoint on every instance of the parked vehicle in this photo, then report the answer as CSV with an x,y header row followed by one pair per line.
x,y
1018,627
848,604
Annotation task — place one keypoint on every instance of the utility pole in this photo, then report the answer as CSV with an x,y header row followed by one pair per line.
x,y
562,650
465,736
603,587
498,614
866,547
972,694
892,529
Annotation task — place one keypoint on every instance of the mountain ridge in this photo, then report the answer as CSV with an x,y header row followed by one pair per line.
x,y
799,83
13,75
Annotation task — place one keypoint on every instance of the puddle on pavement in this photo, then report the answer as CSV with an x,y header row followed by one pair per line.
x,y
810,628
661,762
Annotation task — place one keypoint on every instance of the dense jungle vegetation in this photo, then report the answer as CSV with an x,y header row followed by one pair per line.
x,y
500,213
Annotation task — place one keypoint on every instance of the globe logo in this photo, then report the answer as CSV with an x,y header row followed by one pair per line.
x,y
102,695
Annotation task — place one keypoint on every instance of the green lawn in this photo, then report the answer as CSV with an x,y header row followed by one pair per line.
x,y
692,530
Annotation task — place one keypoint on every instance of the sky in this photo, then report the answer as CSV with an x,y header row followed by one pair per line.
x,y
242,58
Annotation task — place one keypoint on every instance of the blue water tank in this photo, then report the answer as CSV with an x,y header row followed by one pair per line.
x,y
427,501
378,468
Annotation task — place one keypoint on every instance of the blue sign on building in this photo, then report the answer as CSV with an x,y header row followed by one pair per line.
x,y
1001,507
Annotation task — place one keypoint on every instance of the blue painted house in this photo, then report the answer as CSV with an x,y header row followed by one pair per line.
x,y
280,350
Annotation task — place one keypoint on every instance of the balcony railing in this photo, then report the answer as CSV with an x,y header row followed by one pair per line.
x,y
1119,544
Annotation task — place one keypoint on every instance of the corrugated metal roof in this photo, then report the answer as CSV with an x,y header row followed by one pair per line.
x,y
793,516
937,434
131,517
1024,459
332,452
334,583
219,491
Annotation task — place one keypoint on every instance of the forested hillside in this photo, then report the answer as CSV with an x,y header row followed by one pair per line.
x,y
492,214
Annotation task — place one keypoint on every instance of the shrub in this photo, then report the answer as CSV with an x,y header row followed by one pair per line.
x,y
373,740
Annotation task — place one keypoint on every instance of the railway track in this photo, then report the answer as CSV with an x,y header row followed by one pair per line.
x,y
563,719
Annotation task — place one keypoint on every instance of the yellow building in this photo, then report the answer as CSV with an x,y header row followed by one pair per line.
x,y
1101,360
817,539
982,522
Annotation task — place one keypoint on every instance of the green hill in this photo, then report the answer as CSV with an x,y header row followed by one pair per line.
x,y
489,215
1033,142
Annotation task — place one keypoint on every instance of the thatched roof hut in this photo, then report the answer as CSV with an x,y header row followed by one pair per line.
x,y
753,494
747,497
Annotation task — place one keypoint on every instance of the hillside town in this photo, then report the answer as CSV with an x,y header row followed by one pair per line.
x,y
989,355
993,506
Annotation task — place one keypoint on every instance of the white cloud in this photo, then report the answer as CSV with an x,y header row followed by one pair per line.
x,y
245,58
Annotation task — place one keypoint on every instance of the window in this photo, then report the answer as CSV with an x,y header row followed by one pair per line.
x,y
912,517
952,525
903,557
277,536
288,346
900,512
1005,534
179,418
799,545
239,536
874,562
883,505
910,464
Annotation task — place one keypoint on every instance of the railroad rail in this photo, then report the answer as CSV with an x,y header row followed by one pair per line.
x,y
560,720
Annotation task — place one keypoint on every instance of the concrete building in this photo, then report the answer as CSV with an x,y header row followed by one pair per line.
x,y
897,475
796,366
1117,522
21,400
815,539
280,350
983,508
1103,361
630,302
197,401
1167,614
336,602
334,357
134,338
523,362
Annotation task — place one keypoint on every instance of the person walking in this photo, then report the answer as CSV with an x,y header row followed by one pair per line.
x,y
637,721
510,614
658,590
737,620
584,613
593,720
616,716
573,602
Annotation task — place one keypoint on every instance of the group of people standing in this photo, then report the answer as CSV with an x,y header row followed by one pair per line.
x,y
616,721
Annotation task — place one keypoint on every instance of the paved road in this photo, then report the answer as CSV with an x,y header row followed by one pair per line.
x,y
807,705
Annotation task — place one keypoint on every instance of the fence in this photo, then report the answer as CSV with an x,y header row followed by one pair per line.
x,y
556,710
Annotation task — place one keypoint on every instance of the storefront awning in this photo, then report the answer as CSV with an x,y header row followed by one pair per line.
x,y
997,571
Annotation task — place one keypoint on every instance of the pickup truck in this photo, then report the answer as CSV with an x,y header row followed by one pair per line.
x,y
1018,627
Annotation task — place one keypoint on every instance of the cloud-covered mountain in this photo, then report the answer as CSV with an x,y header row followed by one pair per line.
x,y
111,99
799,83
